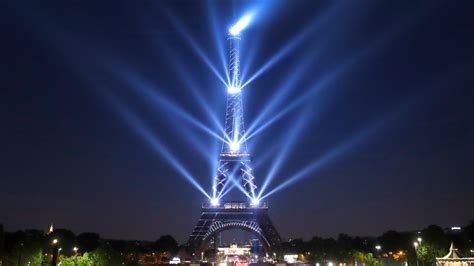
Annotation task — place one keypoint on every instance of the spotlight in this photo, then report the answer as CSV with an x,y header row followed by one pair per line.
x,y
215,202
234,146
240,25
255,201
233,89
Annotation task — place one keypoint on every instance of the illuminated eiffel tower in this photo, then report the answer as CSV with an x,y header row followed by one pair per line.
x,y
234,169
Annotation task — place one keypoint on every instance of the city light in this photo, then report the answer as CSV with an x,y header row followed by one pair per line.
x,y
55,241
233,89
234,146
378,247
419,239
241,24
175,260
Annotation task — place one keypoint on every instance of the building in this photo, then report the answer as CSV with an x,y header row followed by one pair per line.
x,y
453,258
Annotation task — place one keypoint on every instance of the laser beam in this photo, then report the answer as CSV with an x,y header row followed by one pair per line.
x,y
193,44
139,127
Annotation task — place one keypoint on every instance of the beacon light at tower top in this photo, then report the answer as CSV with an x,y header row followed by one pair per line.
x,y
241,24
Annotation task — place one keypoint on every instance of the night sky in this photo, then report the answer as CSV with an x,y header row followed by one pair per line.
x,y
381,96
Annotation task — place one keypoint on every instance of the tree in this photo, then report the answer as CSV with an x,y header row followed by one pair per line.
x,y
427,253
394,241
66,239
24,252
80,260
85,260
468,230
435,237
167,243
87,242
2,239
105,255
345,247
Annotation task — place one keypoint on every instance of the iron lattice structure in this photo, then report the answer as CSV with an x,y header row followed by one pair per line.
x,y
233,215
234,163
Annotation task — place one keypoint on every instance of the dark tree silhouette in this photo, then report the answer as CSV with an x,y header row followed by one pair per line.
x,y
167,243
88,241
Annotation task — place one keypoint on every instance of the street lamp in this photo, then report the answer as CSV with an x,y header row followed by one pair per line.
x,y
56,249
19,256
377,249
75,253
416,255
419,240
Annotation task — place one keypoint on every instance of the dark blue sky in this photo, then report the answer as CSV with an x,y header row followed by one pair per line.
x,y
389,118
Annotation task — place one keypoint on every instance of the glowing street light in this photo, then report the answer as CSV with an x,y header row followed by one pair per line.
x,y
378,247
75,253
419,240
56,249
416,254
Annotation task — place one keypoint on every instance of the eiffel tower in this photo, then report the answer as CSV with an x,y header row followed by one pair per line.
x,y
234,167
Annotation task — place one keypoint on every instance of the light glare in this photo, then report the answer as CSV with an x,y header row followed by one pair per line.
x,y
234,146
255,201
240,25
233,89
215,202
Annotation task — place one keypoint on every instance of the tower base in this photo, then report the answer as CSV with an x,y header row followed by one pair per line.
x,y
233,215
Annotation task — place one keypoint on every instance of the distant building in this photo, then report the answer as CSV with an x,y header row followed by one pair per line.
x,y
453,258
234,250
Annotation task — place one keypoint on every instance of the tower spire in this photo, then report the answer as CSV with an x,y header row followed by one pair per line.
x,y
234,161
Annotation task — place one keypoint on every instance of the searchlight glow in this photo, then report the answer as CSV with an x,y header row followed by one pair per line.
x,y
240,25
215,202
255,201
233,89
234,146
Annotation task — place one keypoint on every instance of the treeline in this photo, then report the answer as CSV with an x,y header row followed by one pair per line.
x,y
390,248
34,247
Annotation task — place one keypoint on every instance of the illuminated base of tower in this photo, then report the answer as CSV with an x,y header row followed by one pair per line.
x,y
233,215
